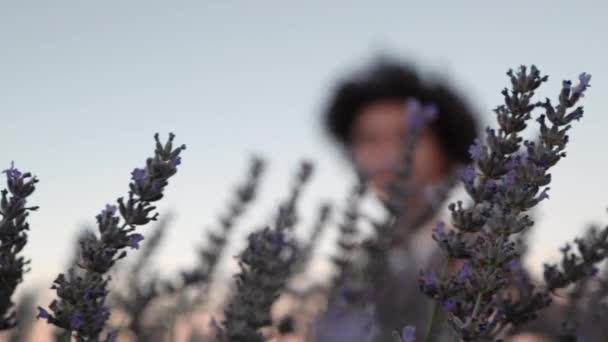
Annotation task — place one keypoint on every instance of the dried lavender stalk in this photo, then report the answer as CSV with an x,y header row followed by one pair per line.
x,y
13,238
80,308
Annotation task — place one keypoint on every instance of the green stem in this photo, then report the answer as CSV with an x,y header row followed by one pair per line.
x,y
431,322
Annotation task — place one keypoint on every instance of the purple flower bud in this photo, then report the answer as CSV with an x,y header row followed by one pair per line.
x,y
42,313
12,173
594,271
429,282
419,115
408,334
109,211
543,194
440,228
508,179
476,150
468,175
134,240
583,84
175,162
76,321
140,176
465,273
449,305
109,252
93,293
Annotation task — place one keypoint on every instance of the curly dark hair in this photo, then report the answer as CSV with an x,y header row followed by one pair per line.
x,y
456,126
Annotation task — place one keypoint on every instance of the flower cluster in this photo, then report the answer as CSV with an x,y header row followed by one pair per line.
x,y
509,177
80,307
13,238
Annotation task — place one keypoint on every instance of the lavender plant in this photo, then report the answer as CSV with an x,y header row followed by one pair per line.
x,y
321,223
177,297
210,254
508,178
348,238
80,307
265,266
13,237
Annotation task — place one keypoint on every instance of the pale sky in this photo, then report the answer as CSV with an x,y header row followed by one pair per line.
x,y
84,85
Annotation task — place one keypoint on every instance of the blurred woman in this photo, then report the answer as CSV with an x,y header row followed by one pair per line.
x,y
367,116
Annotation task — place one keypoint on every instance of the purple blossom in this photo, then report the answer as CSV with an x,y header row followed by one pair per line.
x,y
465,272
12,172
449,305
93,293
408,334
109,252
110,210
583,84
134,240
174,163
491,187
418,114
140,176
430,281
468,175
439,231
476,150
105,217
42,313
508,179
440,228
543,194
76,321
511,164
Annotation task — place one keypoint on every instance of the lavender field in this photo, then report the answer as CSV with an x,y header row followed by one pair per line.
x,y
235,172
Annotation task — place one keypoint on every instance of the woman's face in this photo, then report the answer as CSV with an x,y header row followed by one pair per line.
x,y
377,145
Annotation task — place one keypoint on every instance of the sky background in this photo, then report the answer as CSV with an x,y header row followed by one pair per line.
x,y
84,85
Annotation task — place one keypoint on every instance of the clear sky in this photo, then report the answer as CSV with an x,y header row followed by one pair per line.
x,y
84,85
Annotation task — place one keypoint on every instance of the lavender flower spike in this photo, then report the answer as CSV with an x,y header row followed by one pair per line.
x,y
13,237
80,307
509,177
